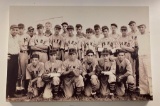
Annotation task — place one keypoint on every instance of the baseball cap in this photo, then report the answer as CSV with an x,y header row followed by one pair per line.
x,y
20,25
131,22
78,25
13,26
89,51
96,26
35,56
123,28
57,26
89,30
72,51
141,25
39,26
64,23
52,51
106,51
120,51
104,27
70,27
114,24
30,28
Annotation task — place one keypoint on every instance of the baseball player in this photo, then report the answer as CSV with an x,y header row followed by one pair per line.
x,y
90,42
134,32
65,31
40,43
127,44
12,64
106,70
98,36
81,39
30,31
124,74
23,58
48,27
34,72
71,72
92,83
145,76
56,41
70,41
53,69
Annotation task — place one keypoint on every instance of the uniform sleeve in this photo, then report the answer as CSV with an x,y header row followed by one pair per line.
x,y
128,68
41,69
46,41
28,76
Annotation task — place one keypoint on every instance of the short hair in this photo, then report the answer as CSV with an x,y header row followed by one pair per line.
x,y
70,27
89,30
104,27
96,26
40,26
113,24
78,25
48,23
21,26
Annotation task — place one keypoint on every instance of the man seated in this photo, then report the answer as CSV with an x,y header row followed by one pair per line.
x,y
92,83
124,74
34,72
106,72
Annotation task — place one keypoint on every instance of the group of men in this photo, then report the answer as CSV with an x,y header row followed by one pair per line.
x,y
96,63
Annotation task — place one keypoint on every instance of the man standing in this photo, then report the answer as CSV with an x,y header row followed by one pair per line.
x,y
39,44
145,77
12,68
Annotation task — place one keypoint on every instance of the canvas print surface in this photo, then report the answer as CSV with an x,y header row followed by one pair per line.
x,y
84,53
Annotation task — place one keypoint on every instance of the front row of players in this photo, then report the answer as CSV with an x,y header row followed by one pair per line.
x,y
96,78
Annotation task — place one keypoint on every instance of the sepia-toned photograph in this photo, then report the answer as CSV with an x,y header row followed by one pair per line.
x,y
79,53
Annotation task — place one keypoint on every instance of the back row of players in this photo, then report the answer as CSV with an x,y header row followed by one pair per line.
x,y
98,43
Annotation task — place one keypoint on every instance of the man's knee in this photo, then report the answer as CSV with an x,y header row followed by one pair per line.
x,y
40,83
112,78
94,80
79,81
56,80
130,79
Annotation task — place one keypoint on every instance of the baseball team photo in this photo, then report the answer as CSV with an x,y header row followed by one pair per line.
x,y
79,53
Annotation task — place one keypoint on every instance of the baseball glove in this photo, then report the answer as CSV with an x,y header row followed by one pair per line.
x,y
46,78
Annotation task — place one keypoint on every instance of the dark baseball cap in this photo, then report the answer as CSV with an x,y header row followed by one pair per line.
x,y
104,27
89,51
30,28
131,22
52,52
114,24
89,30
35,56
39,26
96,26
141,25
70,27
20,25
106,51
72,51
13,26
120,51
57,26
123,28
64,23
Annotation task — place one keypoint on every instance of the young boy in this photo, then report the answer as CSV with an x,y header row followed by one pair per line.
x,y
34,72
48,27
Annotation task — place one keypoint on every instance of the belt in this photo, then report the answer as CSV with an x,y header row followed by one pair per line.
x,y
12,54
40,51
23,51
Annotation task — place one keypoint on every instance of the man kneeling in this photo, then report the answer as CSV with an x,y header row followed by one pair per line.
x,y
34,72
124,74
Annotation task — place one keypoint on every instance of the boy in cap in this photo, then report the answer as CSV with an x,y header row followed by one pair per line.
x,y
71,72
56,41
53,70
124,75
81,38
40,43
98,36
145,84
23,58
12,64
90,42
92,83
70,41
34,72
106,70
65,32
30,31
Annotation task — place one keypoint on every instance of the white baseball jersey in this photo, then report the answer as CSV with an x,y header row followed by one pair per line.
x,y
24,41
70,42
56,41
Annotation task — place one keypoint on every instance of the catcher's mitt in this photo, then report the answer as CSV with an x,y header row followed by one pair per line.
x,y
46,78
